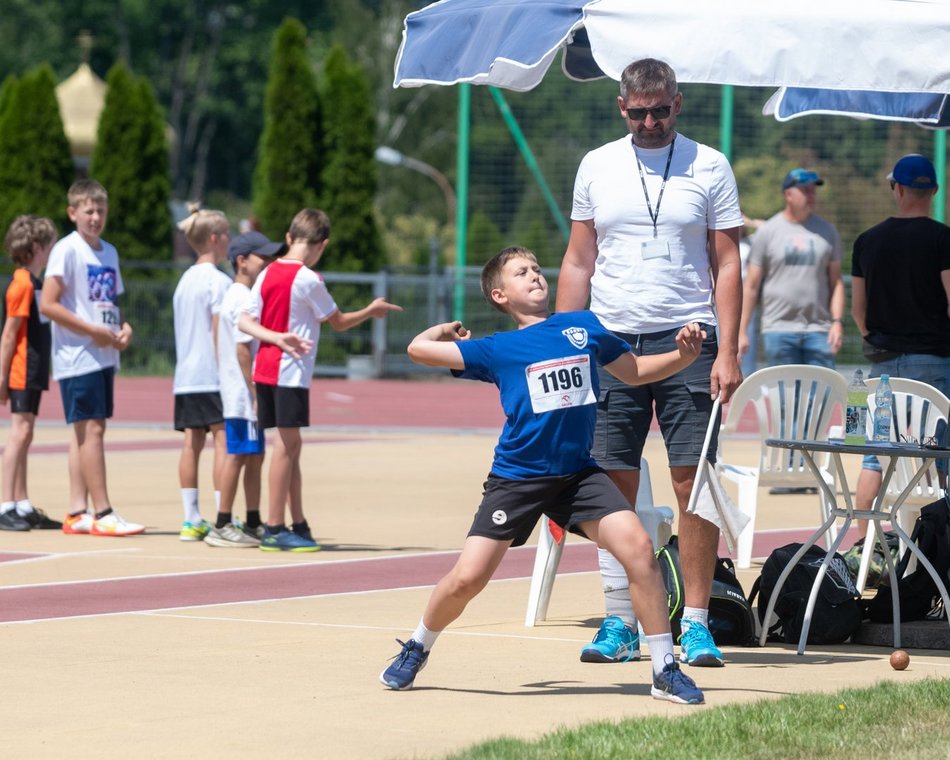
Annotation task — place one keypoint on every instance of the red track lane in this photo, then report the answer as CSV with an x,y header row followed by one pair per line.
x,y
160,592
319,578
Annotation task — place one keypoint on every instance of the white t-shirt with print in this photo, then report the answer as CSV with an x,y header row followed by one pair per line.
x,y
236,397
92,284
197,299
638,289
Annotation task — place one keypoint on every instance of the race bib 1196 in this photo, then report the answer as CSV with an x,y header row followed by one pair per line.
x,y
560,383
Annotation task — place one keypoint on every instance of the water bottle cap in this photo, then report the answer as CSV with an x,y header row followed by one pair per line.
x,y
885,377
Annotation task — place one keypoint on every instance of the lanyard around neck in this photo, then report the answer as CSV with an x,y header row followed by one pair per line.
x,y
666,175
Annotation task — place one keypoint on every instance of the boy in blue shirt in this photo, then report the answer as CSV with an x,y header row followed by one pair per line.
x,y
546,374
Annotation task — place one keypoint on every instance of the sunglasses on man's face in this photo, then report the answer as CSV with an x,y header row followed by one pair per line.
x,y
657,112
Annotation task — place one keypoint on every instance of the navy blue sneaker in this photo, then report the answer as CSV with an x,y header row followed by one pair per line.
x,y
285,541
401,674
614,642
697,646
674,685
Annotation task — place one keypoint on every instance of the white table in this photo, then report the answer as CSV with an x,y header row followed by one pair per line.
x,y
876,515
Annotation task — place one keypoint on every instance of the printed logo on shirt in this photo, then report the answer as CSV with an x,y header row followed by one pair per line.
x,y
102,283
576,335
499,517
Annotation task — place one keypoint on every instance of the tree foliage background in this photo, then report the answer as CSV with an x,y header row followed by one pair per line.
x,y
131,161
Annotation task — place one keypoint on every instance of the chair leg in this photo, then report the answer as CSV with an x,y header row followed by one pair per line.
x,y
748,491
546,560
826,509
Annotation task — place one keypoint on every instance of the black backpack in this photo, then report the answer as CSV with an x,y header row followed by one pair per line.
x,y
918,593
837,612
731,620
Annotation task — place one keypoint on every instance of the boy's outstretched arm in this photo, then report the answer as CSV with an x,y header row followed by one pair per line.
x,y
344,320
638,370
288,342
435,347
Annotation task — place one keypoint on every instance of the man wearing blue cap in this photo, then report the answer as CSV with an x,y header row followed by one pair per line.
x,y
900,293
795,263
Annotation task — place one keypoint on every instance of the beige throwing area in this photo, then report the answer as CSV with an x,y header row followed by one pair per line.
x,y
298,677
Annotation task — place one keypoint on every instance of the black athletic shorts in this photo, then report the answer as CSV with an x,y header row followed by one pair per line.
x,y
278,406
511,508
198,410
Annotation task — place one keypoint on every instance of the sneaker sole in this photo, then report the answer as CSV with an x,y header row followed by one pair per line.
x,y
667,697
592,655
104,534
394,685
298,550
705,660
225,544
71,532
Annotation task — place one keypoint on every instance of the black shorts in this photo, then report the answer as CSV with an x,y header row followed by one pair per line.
x,y
26,401
278,406
198,411
511,508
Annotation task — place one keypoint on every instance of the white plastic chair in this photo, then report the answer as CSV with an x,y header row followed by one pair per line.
x,y
793,401
658,522
917,410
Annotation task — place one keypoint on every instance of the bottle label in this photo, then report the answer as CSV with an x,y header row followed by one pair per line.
x,y
855,429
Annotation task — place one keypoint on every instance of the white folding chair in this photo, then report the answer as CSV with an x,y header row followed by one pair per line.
x,y
794,401
917,411
658,522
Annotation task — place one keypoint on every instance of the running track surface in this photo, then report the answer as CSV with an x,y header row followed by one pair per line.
x,y
48,601
375,404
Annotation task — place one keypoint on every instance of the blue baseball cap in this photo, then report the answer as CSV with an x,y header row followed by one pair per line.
x,y
914,170
254,242
801,177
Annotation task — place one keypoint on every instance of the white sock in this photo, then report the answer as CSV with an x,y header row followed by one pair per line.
x,y
189,501
660,646
697,615
616,587
6,506
424,636
24,507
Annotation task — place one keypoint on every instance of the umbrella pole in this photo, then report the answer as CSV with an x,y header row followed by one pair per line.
x,y
461,195
940,164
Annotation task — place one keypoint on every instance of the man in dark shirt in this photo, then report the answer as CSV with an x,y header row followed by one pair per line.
x,y
900,291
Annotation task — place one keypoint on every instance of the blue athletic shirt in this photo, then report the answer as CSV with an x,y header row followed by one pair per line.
x,y
547,377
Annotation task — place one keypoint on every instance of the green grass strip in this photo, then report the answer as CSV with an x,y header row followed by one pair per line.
x,y
885,720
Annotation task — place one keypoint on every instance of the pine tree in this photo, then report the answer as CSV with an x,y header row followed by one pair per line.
x,y
37,167
349,176
290,152
131,162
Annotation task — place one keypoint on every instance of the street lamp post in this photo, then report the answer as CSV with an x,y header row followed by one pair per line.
x,y
392,157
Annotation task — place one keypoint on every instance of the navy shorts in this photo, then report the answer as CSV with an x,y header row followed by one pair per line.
x,y
511,508
88,397
243,436
25,401
198,410
278,406
682,402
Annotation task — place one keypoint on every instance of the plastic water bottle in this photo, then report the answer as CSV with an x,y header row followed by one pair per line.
x,y
883,401
856,416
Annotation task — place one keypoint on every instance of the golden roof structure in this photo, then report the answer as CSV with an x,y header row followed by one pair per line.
x,y
81,98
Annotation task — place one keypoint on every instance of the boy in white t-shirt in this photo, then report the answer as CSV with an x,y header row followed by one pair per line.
x,y
289,303
249,253
79,296
197,302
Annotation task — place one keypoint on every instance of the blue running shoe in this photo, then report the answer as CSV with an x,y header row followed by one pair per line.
x,y
674,685
285,541
401,674
614,642
697,646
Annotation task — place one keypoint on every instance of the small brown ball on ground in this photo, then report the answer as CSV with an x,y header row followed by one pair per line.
x,y
899,659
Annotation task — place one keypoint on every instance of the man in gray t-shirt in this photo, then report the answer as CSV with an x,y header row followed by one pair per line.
x,y
795,263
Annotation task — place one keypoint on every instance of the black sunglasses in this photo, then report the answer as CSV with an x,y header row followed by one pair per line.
x,y
657,112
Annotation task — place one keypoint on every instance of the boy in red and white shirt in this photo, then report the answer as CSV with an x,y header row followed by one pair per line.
x,y
288,304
